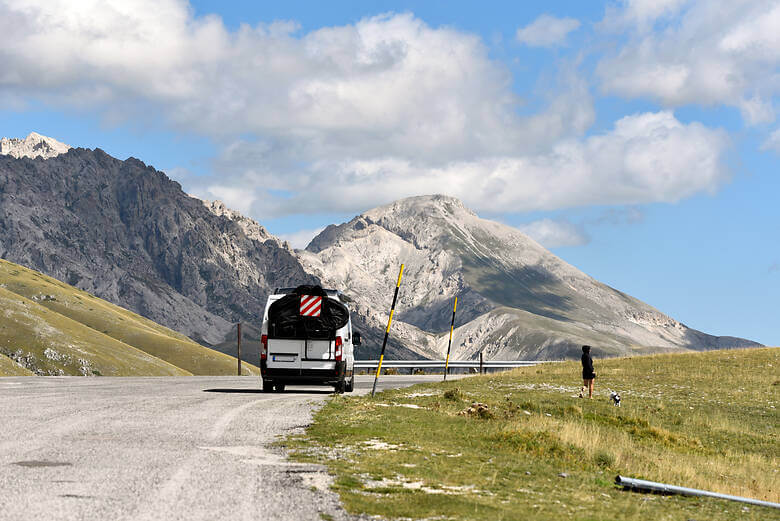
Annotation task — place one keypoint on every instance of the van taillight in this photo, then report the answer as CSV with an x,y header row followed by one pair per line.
x,y
339,348
264,350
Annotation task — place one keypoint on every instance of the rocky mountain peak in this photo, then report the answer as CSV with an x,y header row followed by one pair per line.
x,y
250,227
436,205
33,146
444,222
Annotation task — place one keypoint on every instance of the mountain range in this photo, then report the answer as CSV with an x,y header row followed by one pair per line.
x,y
127,233
516,300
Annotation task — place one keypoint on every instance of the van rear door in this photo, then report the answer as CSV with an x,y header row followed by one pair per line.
x,y
318,354
285,353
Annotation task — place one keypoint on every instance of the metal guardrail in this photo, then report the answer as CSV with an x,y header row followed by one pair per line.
x,y
439,364
663,488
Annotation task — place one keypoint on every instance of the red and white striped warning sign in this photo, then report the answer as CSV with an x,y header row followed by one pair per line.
x,y
311,306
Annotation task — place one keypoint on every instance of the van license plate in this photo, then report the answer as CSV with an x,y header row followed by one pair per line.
x,y
283,358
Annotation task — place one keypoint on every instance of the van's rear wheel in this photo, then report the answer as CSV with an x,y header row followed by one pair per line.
x,y
279,388
350,385
268,386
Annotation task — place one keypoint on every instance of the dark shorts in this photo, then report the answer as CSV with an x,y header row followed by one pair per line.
x,y
588,376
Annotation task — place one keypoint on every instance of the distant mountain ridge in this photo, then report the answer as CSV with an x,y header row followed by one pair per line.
x,y
126,233
515,298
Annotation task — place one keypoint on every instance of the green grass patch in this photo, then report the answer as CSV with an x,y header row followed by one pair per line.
x,y
521,445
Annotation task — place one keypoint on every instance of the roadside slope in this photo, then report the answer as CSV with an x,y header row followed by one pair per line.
x,y
43,313
50,344
10,368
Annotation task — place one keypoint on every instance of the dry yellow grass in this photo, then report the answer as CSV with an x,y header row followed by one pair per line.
x,y
10,368
47,343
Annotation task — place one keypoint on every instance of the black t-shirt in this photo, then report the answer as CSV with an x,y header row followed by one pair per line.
x,y
587,366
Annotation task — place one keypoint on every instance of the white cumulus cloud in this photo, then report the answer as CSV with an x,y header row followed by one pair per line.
x,y
547,31
648,157
347,117
711,52
388,83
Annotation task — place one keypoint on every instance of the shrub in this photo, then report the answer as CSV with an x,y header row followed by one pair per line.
x,y
453,394
478,410
604,459
541,444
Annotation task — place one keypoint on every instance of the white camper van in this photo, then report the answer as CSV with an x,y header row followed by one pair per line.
x,y
307,339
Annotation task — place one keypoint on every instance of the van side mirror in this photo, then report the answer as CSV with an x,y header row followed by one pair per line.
x,y
355,339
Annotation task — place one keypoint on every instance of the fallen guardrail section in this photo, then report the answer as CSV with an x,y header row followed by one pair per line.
x,y
662,488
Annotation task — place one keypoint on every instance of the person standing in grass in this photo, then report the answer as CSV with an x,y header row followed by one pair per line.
x,y
588,375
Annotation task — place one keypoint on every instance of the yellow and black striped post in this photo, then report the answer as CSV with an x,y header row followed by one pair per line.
x,y
449,346
387,331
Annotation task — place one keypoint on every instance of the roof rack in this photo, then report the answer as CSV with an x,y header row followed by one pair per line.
x,y
285,291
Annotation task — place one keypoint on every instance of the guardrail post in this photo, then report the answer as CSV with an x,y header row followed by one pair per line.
x,y
238,348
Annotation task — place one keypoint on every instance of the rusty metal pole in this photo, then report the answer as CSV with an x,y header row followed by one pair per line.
x,y
239,349
481,366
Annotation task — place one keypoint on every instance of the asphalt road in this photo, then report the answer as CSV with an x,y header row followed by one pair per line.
x,y
159,449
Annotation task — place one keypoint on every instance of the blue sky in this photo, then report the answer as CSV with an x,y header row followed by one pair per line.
x,y
638,140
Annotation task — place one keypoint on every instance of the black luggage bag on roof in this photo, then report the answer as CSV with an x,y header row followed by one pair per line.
x,y
285,319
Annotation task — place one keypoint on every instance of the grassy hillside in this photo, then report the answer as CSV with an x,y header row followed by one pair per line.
x,y
53,328
704,420
48,343
10,368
